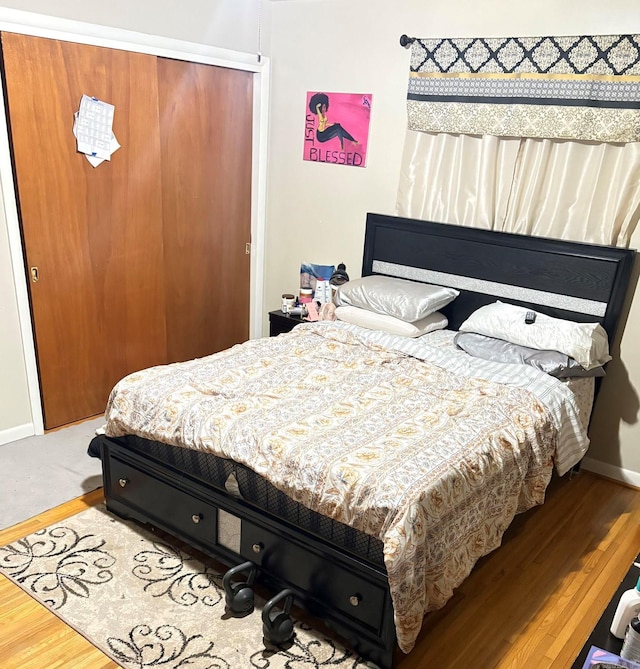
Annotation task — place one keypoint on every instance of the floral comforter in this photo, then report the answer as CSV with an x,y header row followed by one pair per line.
x,y
434,463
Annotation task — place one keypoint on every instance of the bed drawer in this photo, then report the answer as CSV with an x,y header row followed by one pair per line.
x,y
333,585
166,506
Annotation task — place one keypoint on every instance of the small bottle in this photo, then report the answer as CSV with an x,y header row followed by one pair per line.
x,y
628,608
320,289
631,646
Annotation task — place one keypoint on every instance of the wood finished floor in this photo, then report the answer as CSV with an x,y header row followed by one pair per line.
x,y
530,604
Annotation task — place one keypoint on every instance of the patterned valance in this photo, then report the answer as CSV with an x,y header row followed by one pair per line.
x,y
579,88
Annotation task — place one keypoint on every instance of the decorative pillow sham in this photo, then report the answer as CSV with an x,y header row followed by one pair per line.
x,y
407,300
553,363
585,342
373,321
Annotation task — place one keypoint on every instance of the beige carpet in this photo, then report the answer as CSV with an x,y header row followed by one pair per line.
x,y
43,471
146,603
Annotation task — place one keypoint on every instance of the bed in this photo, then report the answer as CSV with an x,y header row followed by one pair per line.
x,y
329,494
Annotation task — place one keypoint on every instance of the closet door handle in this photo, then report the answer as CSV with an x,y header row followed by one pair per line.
x,y
35,274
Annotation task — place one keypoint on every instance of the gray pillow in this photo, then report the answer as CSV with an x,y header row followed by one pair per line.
x,y
407,300
553,363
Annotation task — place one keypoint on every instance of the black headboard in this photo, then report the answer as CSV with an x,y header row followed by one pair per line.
x,y
576,281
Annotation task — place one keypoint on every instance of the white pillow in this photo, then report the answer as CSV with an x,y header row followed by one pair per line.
x,y
586,342
407,300
373,321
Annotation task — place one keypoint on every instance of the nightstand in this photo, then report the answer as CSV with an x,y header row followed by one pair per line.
x,y
279,322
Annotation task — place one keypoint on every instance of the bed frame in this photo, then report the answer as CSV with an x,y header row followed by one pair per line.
x,y
335,572
572,280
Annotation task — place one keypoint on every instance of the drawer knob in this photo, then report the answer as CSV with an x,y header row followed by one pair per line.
x,y
197,517
354,600
257,548
123,482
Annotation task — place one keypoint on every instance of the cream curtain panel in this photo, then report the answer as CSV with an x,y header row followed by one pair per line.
x,y
552,188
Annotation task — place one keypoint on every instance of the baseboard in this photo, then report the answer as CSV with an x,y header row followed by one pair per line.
x,y
626,476
15,433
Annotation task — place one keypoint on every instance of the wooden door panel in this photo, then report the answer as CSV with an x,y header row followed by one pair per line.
x,y
205,128
94,233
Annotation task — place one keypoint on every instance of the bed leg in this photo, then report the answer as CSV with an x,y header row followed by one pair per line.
x,y
380,652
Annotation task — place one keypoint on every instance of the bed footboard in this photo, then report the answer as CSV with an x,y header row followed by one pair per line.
x,y
348,594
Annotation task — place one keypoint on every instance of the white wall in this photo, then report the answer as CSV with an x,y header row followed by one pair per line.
x,y
15,412
316,212
227,24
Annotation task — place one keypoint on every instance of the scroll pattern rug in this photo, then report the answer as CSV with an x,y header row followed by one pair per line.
x,y
147,603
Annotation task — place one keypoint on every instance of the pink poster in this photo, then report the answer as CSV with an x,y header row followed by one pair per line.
x,y
337,128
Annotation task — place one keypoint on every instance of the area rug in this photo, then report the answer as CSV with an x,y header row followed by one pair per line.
x,y
145,602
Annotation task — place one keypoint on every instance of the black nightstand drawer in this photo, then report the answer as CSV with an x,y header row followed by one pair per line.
x,y
279,323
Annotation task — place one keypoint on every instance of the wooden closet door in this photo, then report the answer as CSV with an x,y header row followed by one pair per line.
x,y
205,129
95,234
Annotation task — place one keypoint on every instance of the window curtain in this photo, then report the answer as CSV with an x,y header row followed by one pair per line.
x,y
535,135
568,190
